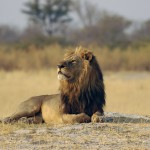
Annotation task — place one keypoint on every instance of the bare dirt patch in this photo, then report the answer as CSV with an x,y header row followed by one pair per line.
x,y
103,136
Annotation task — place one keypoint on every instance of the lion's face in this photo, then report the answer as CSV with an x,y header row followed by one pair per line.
x,y
70,69
73,65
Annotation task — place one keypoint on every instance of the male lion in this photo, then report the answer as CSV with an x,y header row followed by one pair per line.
x,y
81,97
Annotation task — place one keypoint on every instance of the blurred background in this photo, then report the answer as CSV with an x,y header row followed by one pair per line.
x,y
34,35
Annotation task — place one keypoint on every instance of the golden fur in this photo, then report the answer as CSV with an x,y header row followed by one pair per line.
x,y
81,98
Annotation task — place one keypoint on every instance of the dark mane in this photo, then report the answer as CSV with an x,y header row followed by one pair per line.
x,y
87,96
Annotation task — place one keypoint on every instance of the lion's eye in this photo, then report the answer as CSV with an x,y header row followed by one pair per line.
x,y
73,61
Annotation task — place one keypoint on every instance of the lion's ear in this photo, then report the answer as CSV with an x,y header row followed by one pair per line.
x,y
87,56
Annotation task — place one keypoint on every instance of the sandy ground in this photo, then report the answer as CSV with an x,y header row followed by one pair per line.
x,y
92,136
116,134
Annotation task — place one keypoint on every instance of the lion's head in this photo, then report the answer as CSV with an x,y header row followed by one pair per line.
x,y
81,82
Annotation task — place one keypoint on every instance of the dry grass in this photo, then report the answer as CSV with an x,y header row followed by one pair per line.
x,y
38,58
30,59
127,92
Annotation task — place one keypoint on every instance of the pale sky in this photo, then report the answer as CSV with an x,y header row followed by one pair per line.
x,y
137,10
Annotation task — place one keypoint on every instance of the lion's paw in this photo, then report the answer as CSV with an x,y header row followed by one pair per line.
x,y
82,118
97,118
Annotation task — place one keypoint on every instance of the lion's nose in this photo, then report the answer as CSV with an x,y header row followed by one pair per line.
x,y
60,66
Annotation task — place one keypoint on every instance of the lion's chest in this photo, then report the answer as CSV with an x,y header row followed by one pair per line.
x,y
76,106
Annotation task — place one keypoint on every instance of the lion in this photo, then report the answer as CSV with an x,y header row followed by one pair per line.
x,y
81,98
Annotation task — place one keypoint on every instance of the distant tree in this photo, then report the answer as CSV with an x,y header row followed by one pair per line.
x,y
32,33
111,30
87,12
8,34
50,14
100,27
142,34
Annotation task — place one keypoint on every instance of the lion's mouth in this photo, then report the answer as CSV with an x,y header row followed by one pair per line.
x,y
63,74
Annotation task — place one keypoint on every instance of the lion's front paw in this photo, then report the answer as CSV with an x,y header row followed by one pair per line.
x,y
82,118
86,118
96,118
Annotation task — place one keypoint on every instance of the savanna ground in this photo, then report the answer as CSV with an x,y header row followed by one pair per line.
x,y
127,92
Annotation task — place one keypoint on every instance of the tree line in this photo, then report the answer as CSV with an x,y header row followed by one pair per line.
x,y
75,22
